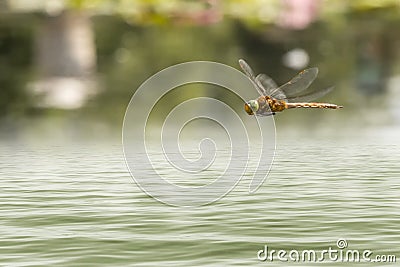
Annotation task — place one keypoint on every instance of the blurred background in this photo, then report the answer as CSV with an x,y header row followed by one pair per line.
x,y
69,67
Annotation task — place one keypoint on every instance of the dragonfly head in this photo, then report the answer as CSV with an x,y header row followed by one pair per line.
x,y
251,107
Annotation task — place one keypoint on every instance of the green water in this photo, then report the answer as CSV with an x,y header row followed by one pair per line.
x,y
75,204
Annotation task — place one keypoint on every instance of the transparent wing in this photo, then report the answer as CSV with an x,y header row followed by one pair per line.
x,y
270,87
266,82
311,96
246,68
249,72
265,114
300,82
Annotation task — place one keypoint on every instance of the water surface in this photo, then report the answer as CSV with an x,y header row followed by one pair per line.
x,y
76,204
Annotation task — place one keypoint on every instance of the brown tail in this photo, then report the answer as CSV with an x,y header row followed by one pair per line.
x,y
313,105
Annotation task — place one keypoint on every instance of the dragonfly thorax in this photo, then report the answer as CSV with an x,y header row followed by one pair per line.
x,y
276,105
269,104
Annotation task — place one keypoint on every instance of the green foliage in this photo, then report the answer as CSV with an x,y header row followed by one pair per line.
x,y
129,54
15,64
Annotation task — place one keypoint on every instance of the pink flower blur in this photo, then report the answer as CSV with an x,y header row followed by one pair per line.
x,y
298,14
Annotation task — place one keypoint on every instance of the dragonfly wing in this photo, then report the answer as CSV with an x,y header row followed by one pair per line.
x,y
278,94
271,89
246,68
300,82
311,96
266,83
249,73
265,114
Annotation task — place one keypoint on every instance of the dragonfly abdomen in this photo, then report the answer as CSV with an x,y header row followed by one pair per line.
x,y
312,105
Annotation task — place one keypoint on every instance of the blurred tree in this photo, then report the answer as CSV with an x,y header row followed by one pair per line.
x,y
65,59
15,64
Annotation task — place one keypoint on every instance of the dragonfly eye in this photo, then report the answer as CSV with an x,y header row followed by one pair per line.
x,y
248,109
251,107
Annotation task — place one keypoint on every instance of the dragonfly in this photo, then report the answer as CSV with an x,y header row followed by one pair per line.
x,y
274,99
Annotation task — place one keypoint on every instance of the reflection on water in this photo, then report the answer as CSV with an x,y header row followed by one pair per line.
x,y
77,204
